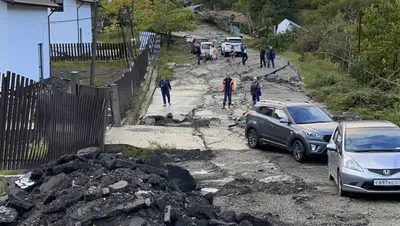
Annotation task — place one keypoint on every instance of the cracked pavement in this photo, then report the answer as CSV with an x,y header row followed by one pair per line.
x,y
264,182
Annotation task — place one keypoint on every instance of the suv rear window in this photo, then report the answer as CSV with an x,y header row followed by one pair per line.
x,y
265,110
234,40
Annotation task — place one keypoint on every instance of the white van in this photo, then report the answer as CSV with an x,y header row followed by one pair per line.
x,y
205,48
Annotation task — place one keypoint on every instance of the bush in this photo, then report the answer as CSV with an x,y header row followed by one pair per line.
x,y
280,42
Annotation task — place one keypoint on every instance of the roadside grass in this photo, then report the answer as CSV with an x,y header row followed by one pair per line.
x,y
175,54
253,43
326,83
157,146
10,172
3,188
106,71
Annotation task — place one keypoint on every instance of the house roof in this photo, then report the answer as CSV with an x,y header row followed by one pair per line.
x,y
291,22
88,1
41,3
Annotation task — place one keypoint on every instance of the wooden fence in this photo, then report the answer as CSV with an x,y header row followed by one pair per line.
x,y
132,80
38,124
83,51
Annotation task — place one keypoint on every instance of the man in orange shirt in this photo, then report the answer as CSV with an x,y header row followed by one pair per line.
x,y
228,86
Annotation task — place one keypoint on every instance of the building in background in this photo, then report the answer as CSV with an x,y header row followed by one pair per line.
x,y
71,22
286,25
24,37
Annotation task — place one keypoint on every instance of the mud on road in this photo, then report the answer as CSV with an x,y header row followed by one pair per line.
x,y
264,182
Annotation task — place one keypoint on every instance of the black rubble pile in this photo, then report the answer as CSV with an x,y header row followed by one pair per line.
x,y
111,189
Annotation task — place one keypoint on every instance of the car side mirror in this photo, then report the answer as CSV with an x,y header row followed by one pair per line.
x,y
284,120
331,147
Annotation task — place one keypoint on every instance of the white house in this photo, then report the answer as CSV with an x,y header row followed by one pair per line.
x,y
24,37
286,25
71,21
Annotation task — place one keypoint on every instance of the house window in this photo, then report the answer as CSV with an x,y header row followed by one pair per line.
x,y
60,7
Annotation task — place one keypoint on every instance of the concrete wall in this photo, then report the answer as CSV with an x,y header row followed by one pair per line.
x,y
64,25
3,37
27,27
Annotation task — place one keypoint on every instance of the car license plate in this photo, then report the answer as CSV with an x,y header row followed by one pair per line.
x,y
386,182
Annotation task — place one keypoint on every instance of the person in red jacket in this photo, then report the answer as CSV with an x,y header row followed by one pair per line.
x,y
228,86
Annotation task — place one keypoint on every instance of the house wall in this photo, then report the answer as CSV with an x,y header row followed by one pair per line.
x,y
3,37
27,27
284,26
64,25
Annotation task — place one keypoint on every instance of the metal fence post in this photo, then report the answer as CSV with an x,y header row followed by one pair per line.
x,y
74,82
115,104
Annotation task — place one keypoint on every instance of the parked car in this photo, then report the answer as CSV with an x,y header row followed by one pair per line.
x,y
205,49
197,41
236,42
298,126
364,157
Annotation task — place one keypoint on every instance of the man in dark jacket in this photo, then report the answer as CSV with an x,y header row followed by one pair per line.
x,y
244,54
165,90
271,57
198,54
228,86
262,57
255,90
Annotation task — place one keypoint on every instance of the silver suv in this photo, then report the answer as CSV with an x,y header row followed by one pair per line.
x,y
298,126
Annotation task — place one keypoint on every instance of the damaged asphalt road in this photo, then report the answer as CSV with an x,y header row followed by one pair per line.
x,y
265,182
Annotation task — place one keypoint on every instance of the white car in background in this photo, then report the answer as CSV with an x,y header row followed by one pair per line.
x,y
226,46
205,48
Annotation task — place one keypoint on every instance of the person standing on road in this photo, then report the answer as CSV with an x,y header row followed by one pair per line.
x,y
242,51
233,54
213,52
165,90
255,90
244,55
262,57
198,54
271,57
228,86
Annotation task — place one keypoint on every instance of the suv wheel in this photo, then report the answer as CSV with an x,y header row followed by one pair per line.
x,y
298,150
252,138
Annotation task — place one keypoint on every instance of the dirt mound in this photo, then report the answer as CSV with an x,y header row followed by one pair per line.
x,y
93,188
240,186
286,187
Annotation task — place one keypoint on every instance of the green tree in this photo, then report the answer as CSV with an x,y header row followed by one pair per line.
x,y
159,16
217,4
380,41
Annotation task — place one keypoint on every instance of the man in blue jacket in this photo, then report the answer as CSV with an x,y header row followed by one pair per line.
x,y
255,91
271,57
165,90
198,54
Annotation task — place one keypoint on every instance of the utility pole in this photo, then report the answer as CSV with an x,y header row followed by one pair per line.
x,y
123,35
128,12
359,32
94,43
131,15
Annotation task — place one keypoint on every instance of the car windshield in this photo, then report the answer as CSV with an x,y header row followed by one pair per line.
x,y
234,40
308,114
372,139
206,46
201,40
